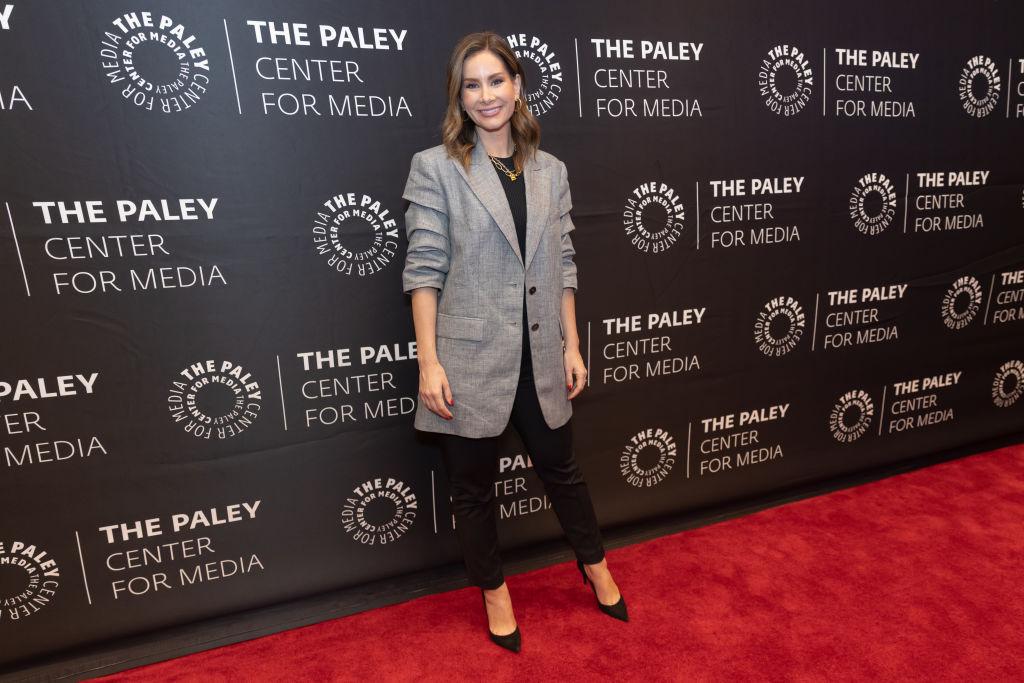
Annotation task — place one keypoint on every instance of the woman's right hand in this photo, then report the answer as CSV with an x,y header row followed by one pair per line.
x,y
435,391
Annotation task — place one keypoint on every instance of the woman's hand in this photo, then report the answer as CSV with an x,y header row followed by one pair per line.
x,y
435,391
575,372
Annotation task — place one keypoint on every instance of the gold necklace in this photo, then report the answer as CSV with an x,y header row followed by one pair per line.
x,y
512,175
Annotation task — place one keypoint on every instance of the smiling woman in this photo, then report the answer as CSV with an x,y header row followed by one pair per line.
x,y
491,273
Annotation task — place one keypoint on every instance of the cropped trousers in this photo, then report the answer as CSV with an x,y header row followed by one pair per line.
x,y
471,465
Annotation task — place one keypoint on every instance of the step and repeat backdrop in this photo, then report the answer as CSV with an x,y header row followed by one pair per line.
x,y
799,240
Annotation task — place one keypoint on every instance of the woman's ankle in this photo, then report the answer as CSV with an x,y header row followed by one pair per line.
x,y
496,592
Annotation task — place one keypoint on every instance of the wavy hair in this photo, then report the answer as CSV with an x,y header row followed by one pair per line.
x,y
457,128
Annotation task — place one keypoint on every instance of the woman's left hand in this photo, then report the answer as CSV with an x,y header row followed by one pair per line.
x,y
575,372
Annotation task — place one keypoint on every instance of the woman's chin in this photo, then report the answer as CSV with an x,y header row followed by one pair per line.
x,y
493,124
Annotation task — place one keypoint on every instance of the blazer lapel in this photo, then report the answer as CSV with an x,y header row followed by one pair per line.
x,y
486,185
538,202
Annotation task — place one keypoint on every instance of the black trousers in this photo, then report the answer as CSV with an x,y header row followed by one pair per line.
x,y
472,467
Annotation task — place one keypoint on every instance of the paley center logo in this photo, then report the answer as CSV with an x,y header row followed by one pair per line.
x,y
648,457
1008,384
215,399
872,203
355,233
379,511
30,579
785,79
779,326
156,61
642,221
851,416
979,86
543,93
961,302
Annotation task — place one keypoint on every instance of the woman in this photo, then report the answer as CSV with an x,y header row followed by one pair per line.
x,y
491,273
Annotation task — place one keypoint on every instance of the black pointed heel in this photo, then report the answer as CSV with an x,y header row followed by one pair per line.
x,y
512,642
618,610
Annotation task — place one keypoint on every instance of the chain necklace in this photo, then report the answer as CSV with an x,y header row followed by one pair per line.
x,y
512,175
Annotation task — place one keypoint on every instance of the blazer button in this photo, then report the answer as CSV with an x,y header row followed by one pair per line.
x,y
532,290
534,326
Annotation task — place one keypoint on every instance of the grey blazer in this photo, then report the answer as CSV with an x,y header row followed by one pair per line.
x,y
462,241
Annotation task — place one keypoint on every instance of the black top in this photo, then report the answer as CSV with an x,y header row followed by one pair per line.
x,y
515,192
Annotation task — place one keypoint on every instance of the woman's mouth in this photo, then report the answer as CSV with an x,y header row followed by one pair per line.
x,y
490,112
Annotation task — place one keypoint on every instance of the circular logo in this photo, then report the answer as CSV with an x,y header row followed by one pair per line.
x,y
961,302
872,203
653,217
979,86
785,80
779,326
215,400
1008,384
29,579
851,416
546,88
648,457
156,62
379,511
356,234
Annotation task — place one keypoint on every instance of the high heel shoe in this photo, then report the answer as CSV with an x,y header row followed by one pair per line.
x,y
512,641
618,610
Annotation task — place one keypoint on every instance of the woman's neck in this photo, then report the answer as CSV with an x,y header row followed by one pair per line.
x,y
497,143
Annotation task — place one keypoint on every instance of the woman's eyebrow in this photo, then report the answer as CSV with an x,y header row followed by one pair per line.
x,y
496,73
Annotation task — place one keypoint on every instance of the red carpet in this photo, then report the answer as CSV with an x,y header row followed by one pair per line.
x,y
917,576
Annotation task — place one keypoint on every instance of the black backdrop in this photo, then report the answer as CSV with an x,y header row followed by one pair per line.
x,y
798,240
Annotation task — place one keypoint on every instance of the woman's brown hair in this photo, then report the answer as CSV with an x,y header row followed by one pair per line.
x,y
457,128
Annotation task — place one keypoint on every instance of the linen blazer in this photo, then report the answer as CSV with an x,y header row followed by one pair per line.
x,y
462,241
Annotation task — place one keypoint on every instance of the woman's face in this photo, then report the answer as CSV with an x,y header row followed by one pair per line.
x,y
488,92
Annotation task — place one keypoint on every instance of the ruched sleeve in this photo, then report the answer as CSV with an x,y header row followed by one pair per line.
x,y
569,278
426,227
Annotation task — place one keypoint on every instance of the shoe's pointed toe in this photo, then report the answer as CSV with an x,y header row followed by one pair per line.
x,y
512,642
618,610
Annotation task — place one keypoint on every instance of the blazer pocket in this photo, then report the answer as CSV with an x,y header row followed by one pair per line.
x,y
459,327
